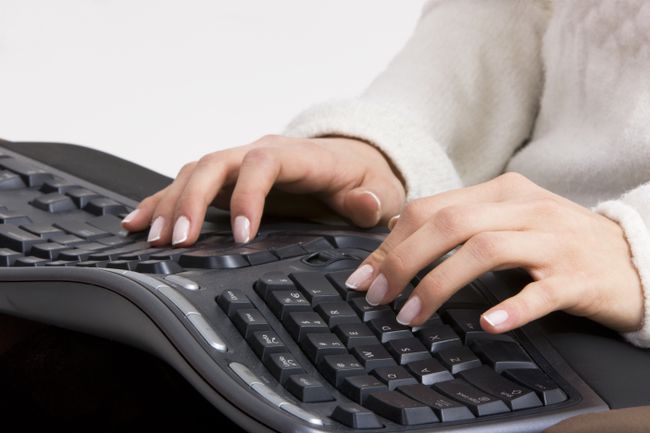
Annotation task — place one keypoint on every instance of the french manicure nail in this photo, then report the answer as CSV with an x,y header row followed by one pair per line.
x,y
376,198
392,222
156,229
409,310
181,230
241,229
359,277
377,290
129,217
496,317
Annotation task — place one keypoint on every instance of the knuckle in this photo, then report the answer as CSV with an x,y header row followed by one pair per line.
x,y
451,220
211,158
485,247
547,207
259,155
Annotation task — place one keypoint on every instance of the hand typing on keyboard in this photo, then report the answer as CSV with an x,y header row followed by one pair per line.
x,y
579,259
348,176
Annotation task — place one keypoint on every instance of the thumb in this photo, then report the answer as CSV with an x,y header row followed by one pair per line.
x,y
372,203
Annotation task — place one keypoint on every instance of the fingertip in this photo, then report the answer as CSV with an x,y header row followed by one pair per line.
x,y
363,207
496,320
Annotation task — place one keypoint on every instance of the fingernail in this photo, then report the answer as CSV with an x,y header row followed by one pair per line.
x,y
409,310
359,277
377,290
392,222
241,229
496,317
376,198
181,230
156,229
130,216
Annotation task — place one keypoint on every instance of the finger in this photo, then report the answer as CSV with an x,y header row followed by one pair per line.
x,y
445,230
287,166
481,253
375,201
535,300
187,205
140,217
418,211
160,216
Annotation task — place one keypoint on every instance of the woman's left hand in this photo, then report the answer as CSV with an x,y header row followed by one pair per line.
x,y
580,260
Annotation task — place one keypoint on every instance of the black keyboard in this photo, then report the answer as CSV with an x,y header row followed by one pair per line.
x,y
267,331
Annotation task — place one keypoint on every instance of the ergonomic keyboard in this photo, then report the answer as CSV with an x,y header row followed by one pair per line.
x,y
267,331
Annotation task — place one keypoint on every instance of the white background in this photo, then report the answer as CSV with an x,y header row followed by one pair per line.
x,y
162,82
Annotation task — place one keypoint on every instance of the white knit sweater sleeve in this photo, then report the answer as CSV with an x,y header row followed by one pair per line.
x,y
456,102
632,212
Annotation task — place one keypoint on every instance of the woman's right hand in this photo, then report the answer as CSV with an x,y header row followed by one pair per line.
x,y
349,176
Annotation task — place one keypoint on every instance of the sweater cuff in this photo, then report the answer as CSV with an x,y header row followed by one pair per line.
x,y
638,238
420,160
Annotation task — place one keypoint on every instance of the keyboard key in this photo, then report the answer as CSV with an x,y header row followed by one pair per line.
x,y
355,416
547,390
57,184
30,261
17,239
282,365
81,196
231,300
283,302
350,241
30,174
13,217
212,259
115,253
48,250
129,265
66,239
115,241
338,281
465,322
110,224
433,320
91,246
74,254
458,358
355,334
429,371
44,231
255,257
272,281
479,402
171,254
163,267
502,355
104,206
266,342
81,229
335,368
514,395
439,337
373,356
315,287
368,312
445,408
8,257
387,328
399,408
301,323
317,346
336,313
250,320
92,264
357,388
406,350
54,203
394,376
9,180
307,388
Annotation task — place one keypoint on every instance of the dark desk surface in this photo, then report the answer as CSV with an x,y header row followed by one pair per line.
x,y
617,371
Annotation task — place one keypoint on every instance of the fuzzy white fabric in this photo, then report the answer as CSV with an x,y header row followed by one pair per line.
x,y
558,91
